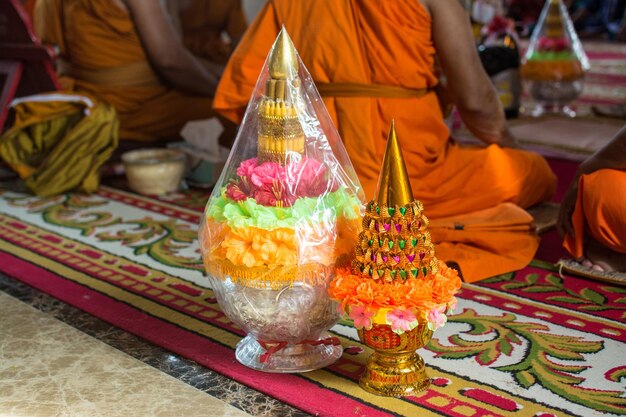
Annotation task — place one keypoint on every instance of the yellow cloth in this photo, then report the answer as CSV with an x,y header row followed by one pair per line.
x,y
98,36
390,43
59,142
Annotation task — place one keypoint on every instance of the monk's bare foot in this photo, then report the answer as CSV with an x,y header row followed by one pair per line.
x,y
587,263
600,258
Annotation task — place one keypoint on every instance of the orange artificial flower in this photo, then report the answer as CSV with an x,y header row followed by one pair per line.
x,y
284,242
315,242
253,247
239,245
211,237
364,293
347,236
446,284
413,293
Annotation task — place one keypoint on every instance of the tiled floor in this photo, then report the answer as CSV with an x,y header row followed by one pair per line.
x,y
56,360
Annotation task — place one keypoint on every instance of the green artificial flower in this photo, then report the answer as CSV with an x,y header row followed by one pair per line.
x,y
269,218
304,207
344,203
248,213
239,214
215,208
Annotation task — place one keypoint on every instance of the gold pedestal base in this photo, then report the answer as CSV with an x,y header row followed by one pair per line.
x,y
394,369
394,374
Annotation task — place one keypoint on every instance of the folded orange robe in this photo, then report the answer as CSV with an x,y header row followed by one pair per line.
x,y
600,212
389,43
104,56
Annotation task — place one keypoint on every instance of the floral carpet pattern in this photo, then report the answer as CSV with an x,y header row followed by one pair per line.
x,y
529,343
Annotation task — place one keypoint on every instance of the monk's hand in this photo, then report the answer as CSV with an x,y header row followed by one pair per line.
x,y
213,67
564,223
507,140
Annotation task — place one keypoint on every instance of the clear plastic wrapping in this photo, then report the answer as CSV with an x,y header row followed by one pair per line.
x,y
283,215
555,52
555,63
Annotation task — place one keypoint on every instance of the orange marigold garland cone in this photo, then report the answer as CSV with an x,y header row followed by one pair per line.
x,y
283,215
555,63
397,292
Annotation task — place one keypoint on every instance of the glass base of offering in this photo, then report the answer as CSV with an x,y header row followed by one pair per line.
x,y
394,374
281,357
554,96
286,328
541,109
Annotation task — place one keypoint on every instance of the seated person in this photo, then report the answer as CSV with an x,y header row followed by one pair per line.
x,y
601,17
592,217
390,47
129,53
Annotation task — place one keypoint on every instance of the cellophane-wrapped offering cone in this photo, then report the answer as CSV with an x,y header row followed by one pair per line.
x,y
555,63
283,216
396,292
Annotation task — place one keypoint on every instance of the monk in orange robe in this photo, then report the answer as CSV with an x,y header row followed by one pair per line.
x,y
374,61
593,212
130,54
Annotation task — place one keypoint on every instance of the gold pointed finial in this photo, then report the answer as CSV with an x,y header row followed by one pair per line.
x,y
554,21
394,188
283,60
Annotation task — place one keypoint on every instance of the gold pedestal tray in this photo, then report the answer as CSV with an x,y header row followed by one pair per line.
x,y
394,369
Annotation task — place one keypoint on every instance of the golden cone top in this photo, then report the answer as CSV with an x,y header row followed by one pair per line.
x,y
394,188
283,60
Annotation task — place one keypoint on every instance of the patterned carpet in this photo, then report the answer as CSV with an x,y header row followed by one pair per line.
x,y
530,343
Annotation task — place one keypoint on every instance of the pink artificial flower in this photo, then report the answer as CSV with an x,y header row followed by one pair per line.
x,y
561,45
437,318
553,45
268,173
401,320
235,192
265,198
270,194
309,177
246,167
544,44
361,317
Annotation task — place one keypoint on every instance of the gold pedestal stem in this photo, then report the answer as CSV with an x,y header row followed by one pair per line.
x,y
394,374
395,369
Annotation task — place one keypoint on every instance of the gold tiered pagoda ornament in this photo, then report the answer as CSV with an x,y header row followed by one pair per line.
x,y
397,292
555,63
280,132
283,216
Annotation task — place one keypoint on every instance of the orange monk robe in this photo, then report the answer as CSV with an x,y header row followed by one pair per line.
x,y
389,43
487,242
96,36
600,212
